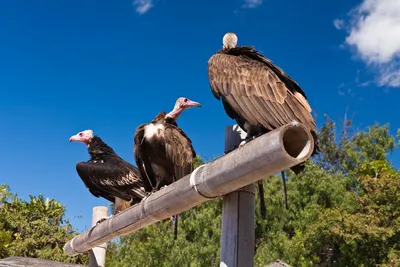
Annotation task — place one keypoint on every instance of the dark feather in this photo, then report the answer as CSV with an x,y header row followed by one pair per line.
x,y
109,176
164,159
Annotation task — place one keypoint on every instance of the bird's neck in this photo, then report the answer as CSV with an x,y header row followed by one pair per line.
x,y
163,117
98,149
170,120
174,115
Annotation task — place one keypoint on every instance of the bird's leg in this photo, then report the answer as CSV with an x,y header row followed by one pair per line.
x,y
157,187
147,195
246,140
176,226
284,189
262,199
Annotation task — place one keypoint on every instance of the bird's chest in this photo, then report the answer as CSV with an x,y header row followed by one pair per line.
x,y
154,131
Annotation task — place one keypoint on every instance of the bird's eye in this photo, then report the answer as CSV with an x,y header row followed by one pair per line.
x,y
185,100
80,134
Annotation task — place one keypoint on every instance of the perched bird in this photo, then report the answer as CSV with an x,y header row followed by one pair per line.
x,y
256,93
107,175
163,152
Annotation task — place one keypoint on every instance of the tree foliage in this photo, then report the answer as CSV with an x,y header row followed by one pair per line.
x,y
34,228
343,211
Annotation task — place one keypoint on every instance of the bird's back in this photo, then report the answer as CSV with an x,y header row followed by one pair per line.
x,y
257,93
163,152
109,175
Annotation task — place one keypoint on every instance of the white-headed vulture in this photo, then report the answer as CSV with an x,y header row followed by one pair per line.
x,y
163,152
107,175
256,93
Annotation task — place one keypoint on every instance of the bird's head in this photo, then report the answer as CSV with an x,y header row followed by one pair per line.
x,y
229,41
82,137
181,104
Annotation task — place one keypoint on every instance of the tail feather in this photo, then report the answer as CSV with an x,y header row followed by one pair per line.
x,y
298,168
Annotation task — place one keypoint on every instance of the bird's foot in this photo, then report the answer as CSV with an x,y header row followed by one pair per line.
x,y
242,143
103,219
246,140
147,196
153,191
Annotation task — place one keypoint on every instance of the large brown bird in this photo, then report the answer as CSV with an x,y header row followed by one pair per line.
x,y
107,175
256,93
163,152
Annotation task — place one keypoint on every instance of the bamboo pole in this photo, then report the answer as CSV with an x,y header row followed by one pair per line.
x,y
97,255
268,154
238,215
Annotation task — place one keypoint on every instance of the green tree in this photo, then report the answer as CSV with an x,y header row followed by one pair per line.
x,y
344,208
344,211
34,228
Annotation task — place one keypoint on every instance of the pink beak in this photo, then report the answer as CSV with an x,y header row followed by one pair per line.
x,y
191,103
76,138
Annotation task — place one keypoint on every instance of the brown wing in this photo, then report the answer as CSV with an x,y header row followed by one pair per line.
x,y
256,91
141,158
178,150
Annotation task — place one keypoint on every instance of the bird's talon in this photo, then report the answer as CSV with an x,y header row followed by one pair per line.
x,y
103,219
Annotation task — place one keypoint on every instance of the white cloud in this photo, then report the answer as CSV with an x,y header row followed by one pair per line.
x,y
338,23
390,75
252,3
374,31
142,6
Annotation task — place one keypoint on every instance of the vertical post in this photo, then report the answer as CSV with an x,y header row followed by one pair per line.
x,y
238,230
97,256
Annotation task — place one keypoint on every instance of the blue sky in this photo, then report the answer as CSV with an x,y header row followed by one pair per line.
x,y
71,65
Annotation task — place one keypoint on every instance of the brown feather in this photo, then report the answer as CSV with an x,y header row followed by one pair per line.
x,y
165,158
258,94
257,91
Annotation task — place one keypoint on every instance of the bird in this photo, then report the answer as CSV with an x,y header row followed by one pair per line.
x,y
107,175
258,94
162,150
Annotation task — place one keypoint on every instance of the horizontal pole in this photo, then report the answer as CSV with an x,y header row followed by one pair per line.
x,y
266,155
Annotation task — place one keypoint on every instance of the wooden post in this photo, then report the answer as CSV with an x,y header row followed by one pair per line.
x,y
97,255
270,153
238,212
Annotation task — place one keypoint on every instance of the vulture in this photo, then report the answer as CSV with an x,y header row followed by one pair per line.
x,y
107,175
163,152
257,94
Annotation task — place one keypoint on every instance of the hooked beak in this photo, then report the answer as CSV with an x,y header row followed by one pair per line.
x,y
75,138
191,103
